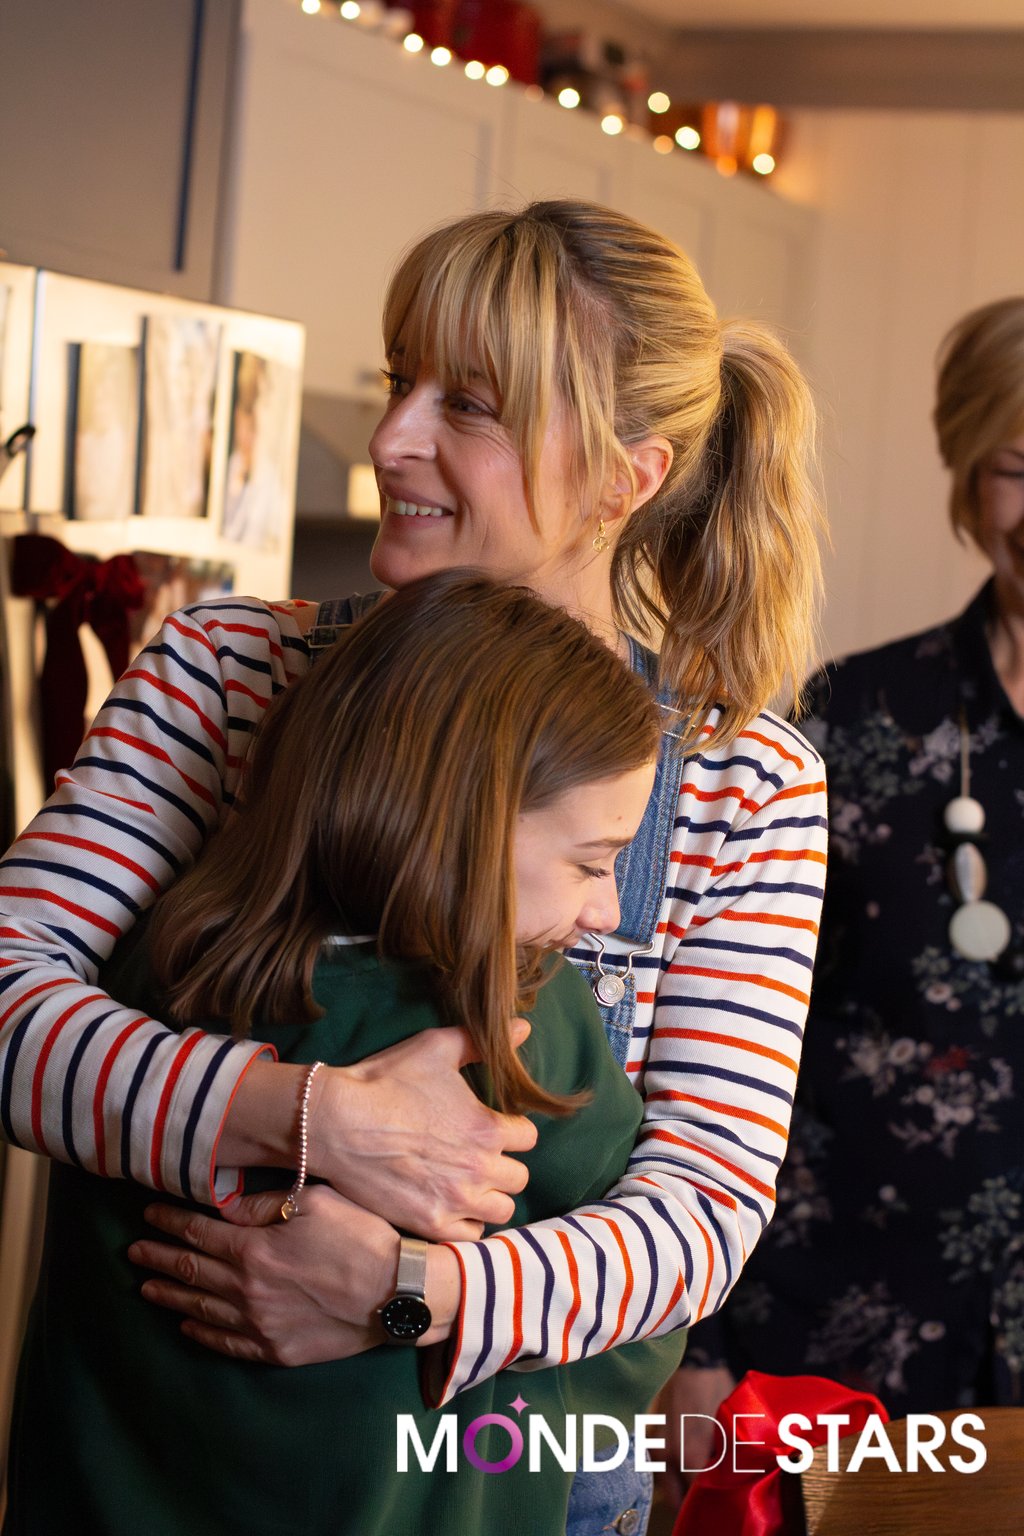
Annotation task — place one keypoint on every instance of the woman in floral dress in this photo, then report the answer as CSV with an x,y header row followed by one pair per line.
x,y
895,1261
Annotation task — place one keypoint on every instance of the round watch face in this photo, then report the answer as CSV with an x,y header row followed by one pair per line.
x,y
405,1318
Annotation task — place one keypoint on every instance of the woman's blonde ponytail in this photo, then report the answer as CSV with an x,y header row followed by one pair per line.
x,y
739,573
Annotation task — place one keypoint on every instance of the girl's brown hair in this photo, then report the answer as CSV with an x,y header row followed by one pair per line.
x,y
382,797
571,299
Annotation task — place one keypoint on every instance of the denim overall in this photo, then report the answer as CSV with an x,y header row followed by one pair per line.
x,y
618,1501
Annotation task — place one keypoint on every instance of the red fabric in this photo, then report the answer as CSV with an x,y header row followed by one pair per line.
x,y
725,1502
100,593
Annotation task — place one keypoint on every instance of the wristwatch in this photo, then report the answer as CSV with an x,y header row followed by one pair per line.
x,y
406,1316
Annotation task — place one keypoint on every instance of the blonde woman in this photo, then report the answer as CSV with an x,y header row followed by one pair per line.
x,y
568,412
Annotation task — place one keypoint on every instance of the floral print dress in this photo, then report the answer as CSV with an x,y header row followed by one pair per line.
x,y
895,1260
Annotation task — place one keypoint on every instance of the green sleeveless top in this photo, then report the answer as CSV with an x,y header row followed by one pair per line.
x,y
124,1428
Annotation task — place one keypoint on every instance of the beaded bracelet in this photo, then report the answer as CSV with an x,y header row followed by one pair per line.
x,y
290,1206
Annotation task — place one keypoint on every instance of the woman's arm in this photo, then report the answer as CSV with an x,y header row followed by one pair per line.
x,y
86,1081
664,1247
82,1079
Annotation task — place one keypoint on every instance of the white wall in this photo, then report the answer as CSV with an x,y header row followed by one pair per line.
x,y
921,219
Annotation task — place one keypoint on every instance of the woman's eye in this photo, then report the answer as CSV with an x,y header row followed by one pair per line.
x,y
395,383
466,405
1008,474
594,874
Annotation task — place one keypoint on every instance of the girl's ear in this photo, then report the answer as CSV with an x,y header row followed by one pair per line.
x,y
651,459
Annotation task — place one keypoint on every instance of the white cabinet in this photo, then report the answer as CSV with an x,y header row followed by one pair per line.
x,y
546,151
346,148
112,120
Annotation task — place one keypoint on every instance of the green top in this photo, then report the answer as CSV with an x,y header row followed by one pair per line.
x,y
124,1428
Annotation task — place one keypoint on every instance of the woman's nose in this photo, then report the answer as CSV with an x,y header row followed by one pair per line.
x,y
406,430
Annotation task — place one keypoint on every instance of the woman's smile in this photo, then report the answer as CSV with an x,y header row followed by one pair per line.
x,y
406,508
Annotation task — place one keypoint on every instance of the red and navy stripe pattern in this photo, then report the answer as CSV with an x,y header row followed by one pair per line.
x,y
721,1005
721,1001
80,1078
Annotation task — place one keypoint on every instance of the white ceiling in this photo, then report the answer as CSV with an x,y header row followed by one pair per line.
x,y
902,14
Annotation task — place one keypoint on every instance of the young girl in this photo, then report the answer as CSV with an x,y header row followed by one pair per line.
x,y
426,816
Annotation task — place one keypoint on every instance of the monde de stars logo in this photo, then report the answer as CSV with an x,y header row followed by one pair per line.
x,y
599,1442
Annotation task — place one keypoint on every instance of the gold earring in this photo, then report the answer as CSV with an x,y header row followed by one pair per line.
x,y
600,538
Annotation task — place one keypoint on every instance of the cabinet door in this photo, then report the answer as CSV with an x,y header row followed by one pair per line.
x,y
346,149
112,118
672,193
548,151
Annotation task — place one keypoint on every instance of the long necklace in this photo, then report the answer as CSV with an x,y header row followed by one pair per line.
x,y
978,930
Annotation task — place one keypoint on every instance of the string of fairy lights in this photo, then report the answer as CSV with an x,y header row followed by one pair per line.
x,y
712,128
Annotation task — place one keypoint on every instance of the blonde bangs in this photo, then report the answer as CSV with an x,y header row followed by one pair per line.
x,y
482,296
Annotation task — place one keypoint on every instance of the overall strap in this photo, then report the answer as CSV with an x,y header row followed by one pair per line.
x,y
336,614
642,869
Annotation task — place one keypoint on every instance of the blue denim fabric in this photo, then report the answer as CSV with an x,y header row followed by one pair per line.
x,y
616,1503
641,874
602,1501
338,613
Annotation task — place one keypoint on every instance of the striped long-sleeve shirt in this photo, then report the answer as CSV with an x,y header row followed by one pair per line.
x,y
721,1002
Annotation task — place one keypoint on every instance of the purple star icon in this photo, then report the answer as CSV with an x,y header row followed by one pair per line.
x,y
518,1404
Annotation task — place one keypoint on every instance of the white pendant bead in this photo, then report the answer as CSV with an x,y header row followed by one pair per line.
x,y
968,873
964,816
979,930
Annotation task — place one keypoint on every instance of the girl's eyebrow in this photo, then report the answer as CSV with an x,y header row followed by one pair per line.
x,y
606,842
1018,453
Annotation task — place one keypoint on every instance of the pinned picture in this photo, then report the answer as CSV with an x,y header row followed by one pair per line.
x,y
257,495
105,416
181,378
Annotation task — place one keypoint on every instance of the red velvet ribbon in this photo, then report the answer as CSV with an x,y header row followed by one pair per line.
x,y
725,1502
100,593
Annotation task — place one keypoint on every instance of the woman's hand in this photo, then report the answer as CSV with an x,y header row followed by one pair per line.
x,y
404,1135
287,1293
